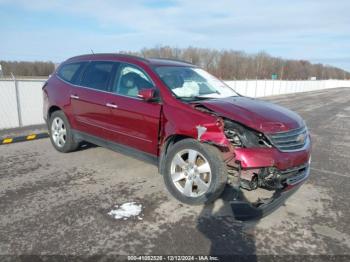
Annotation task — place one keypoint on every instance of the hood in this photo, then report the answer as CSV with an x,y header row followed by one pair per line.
x,y
256,114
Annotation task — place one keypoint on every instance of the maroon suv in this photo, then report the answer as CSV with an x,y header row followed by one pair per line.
x,y
196,128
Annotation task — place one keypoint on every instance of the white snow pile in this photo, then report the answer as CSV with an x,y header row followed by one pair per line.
x,y
126,211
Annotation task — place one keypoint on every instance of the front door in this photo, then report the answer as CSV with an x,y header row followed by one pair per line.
x,y
134,122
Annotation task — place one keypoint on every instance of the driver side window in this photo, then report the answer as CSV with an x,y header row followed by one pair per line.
x,y
131,80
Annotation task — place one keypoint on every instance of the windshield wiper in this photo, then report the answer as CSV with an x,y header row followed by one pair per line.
x,y
202,97
193,98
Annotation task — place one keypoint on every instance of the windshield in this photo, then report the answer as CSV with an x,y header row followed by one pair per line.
x,y
192,83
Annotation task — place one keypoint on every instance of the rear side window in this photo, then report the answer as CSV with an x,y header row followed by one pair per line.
x,y
97,75
70,72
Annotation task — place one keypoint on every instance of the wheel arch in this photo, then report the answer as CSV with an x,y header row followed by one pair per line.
x,y
51,110
169,141
173,139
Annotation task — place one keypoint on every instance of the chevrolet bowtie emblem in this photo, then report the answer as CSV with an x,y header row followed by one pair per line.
x,y
301,138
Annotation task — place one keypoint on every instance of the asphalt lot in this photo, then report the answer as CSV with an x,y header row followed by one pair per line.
x,y
53,203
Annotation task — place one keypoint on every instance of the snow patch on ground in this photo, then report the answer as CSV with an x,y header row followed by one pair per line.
x,y
126,211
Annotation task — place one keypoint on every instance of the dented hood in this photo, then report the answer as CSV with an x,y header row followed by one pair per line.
x,y
259,115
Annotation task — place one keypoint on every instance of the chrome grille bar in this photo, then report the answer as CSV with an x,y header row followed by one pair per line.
x,y
289,141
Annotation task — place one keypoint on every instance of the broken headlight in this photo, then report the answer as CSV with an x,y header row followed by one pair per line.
x,y
233,137
241,136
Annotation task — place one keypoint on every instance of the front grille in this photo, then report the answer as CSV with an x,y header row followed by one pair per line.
x,y
292,140
294,175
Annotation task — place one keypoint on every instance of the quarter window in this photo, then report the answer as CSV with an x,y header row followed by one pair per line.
x,y
131,80
97,75
70,72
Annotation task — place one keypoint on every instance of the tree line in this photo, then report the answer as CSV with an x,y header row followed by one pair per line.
x,y
230,64
24,68
225,64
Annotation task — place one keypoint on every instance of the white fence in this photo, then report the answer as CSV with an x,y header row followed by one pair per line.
x,y
21,100
260,88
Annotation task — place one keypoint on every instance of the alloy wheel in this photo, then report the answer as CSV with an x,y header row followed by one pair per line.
x,y
191,173
58,132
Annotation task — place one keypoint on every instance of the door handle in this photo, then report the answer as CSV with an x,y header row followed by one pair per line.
x,y
111,105
74,96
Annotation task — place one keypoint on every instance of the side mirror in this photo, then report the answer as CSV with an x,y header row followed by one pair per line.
x,y
147,94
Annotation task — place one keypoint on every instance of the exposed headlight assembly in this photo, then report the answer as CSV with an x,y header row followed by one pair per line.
x,y
241,136
234,137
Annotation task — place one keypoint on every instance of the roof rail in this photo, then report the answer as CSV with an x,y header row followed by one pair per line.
x,y
116,54
131,56
172,59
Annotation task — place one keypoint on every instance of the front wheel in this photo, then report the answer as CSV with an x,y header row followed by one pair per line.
x,y
194,172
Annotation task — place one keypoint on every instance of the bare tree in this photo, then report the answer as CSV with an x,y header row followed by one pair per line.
x,y
27,68
226,64
230,64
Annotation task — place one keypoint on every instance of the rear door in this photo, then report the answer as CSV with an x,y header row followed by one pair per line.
x,y
135,122
88,99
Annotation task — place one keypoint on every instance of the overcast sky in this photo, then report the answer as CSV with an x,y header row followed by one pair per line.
x,y
317,30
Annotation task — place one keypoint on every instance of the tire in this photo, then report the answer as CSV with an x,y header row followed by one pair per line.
x,y
190,189
61,129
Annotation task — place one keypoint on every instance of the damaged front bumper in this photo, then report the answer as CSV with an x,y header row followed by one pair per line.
x,y
271,157
243,210
293,169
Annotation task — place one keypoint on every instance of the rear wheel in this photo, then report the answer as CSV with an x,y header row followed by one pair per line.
x,y
61,135
194,172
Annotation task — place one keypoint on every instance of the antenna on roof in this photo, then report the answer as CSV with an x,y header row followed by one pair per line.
x,y
92,51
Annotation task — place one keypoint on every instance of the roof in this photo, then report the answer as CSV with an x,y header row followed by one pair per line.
x,y
130,58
